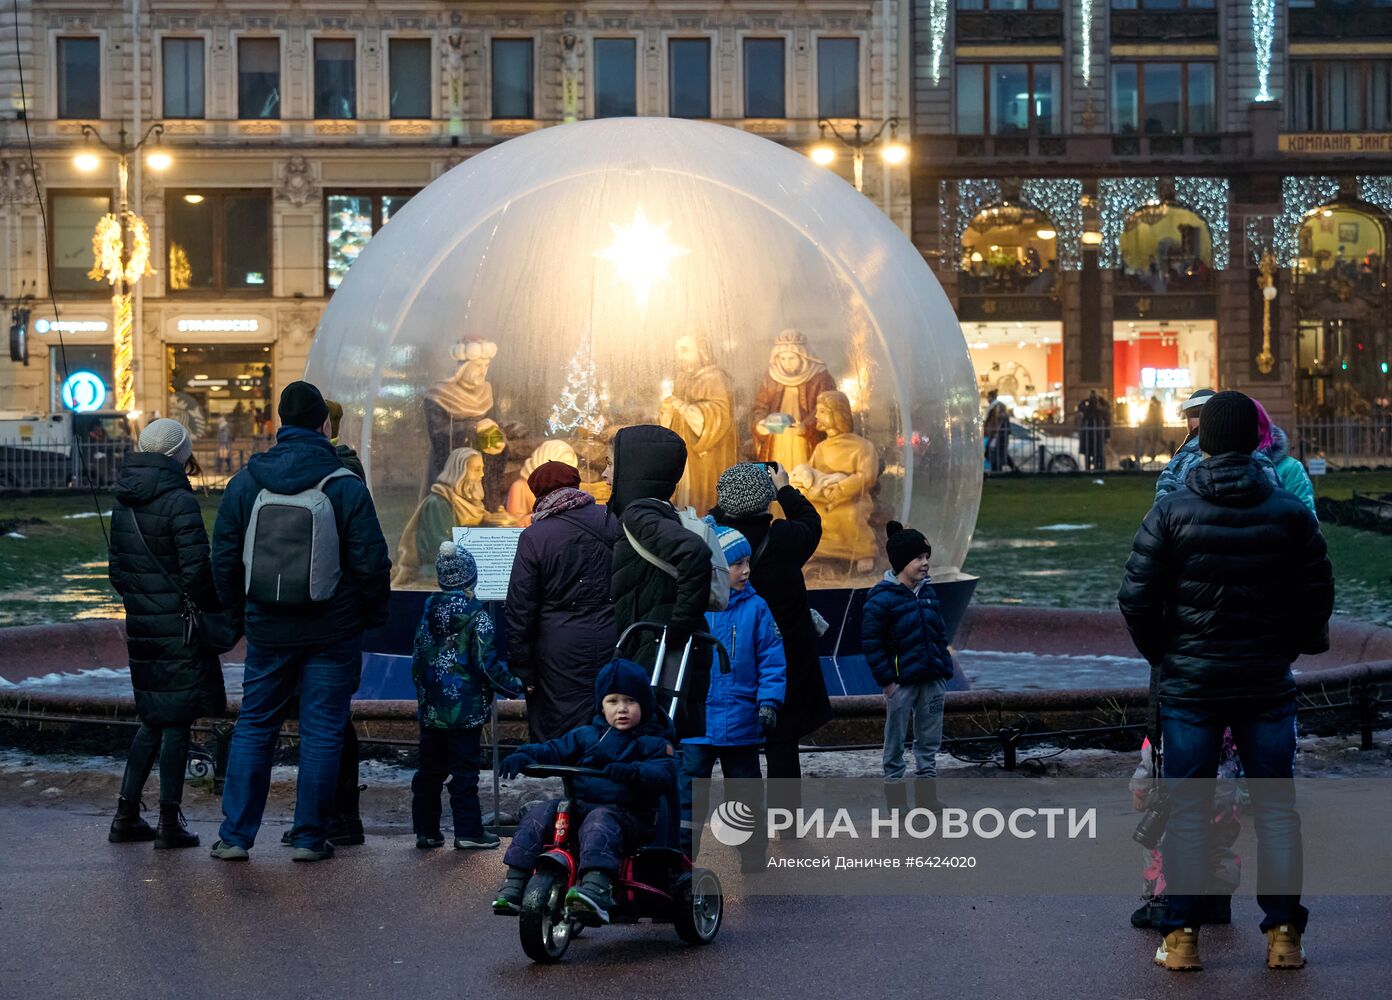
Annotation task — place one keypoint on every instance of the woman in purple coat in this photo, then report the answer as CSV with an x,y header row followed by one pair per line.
x,y
560,620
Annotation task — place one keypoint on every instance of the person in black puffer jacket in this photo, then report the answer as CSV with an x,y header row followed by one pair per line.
x,y
645,465
1227,583
781,548
174,683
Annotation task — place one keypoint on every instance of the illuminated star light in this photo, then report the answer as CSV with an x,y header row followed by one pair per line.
x,y
641,254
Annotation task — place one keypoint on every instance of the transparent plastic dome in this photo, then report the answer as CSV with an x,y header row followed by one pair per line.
x,y
591,276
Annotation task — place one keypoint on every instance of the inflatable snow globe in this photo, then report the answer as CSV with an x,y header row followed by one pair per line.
x,y
583,278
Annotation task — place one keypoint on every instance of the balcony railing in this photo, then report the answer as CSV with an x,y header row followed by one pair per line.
x,y
1072,149
1009,26
1164,26
1354,19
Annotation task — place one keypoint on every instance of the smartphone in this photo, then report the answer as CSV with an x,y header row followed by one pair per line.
x,y
771,466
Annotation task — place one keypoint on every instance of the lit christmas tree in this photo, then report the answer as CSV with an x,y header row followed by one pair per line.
x,y
583,398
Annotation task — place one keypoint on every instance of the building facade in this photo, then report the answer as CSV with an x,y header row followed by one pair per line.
x,y
1097,183
296,130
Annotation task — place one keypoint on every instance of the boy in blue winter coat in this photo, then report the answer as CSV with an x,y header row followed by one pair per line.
x,y
742,706
456,674
631,742
905,644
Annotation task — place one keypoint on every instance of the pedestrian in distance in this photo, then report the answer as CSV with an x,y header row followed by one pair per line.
x,y
1187,455
456,674
1227,584
996,430
905,644
559,614
780,548
630,741
742,706
159,565
298,555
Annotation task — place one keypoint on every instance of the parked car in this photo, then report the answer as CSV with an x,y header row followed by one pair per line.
x,y
1035,450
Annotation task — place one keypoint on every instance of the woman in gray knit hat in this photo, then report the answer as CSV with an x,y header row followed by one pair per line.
x,y
159,565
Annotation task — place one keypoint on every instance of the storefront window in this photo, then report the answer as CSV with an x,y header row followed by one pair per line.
x,y
213,382
350,219
1023,363
74,217
1009,249
219,240
1160,362
1165,248
94,358
1343,350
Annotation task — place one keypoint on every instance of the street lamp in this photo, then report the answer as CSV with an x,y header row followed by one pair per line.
x,y
1266,281
892,152
121,247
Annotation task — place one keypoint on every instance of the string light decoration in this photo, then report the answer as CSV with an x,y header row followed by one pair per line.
x,y
937,28
959,202
1061,199
583,397
1119,198
1207,197
1260,237
1376,191
1263,39
108,247
1085,48
1299,197
123,351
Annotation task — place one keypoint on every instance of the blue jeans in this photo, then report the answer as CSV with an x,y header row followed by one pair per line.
x,y
324,679
604,836
1192,740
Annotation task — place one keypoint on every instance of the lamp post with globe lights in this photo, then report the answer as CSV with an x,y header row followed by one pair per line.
x,y
121,245
893,152
1266,281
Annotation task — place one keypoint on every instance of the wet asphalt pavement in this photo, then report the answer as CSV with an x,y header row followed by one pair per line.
x,y
81,918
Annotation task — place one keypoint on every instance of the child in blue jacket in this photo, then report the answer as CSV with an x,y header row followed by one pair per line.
x,y
456,674
742,705
631,742
905,643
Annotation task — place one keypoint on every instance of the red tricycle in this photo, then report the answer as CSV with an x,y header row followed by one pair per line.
x,y
656,883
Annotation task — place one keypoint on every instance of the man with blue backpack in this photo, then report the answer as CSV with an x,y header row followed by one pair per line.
x,y
299,557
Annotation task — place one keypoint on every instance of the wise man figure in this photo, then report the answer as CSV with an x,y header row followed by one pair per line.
x,y
700,408
785,430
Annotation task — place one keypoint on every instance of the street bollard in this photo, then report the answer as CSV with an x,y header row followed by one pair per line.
x,y
1009,737
1367,715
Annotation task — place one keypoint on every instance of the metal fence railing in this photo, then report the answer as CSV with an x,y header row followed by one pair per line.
x,y
1341,443
29,465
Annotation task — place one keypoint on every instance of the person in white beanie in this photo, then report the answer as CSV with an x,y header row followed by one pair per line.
x,y
159,565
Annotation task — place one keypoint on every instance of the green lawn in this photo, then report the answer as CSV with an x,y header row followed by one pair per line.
x,y
1064,542
1059,542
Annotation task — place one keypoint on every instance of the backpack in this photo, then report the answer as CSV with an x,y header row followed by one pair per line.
x,y
291,552
719,596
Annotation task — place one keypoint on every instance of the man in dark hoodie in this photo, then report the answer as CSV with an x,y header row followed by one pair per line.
x,y
645,465
630,741
1228,582
314,648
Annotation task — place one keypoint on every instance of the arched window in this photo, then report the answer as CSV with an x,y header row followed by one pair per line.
x,y
1009,249
1342,250
1165,248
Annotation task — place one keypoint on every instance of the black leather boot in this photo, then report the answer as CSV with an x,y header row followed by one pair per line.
x,y
172,832
128,827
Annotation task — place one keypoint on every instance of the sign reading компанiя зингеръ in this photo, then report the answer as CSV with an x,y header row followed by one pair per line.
x,y
1325,143
493,550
